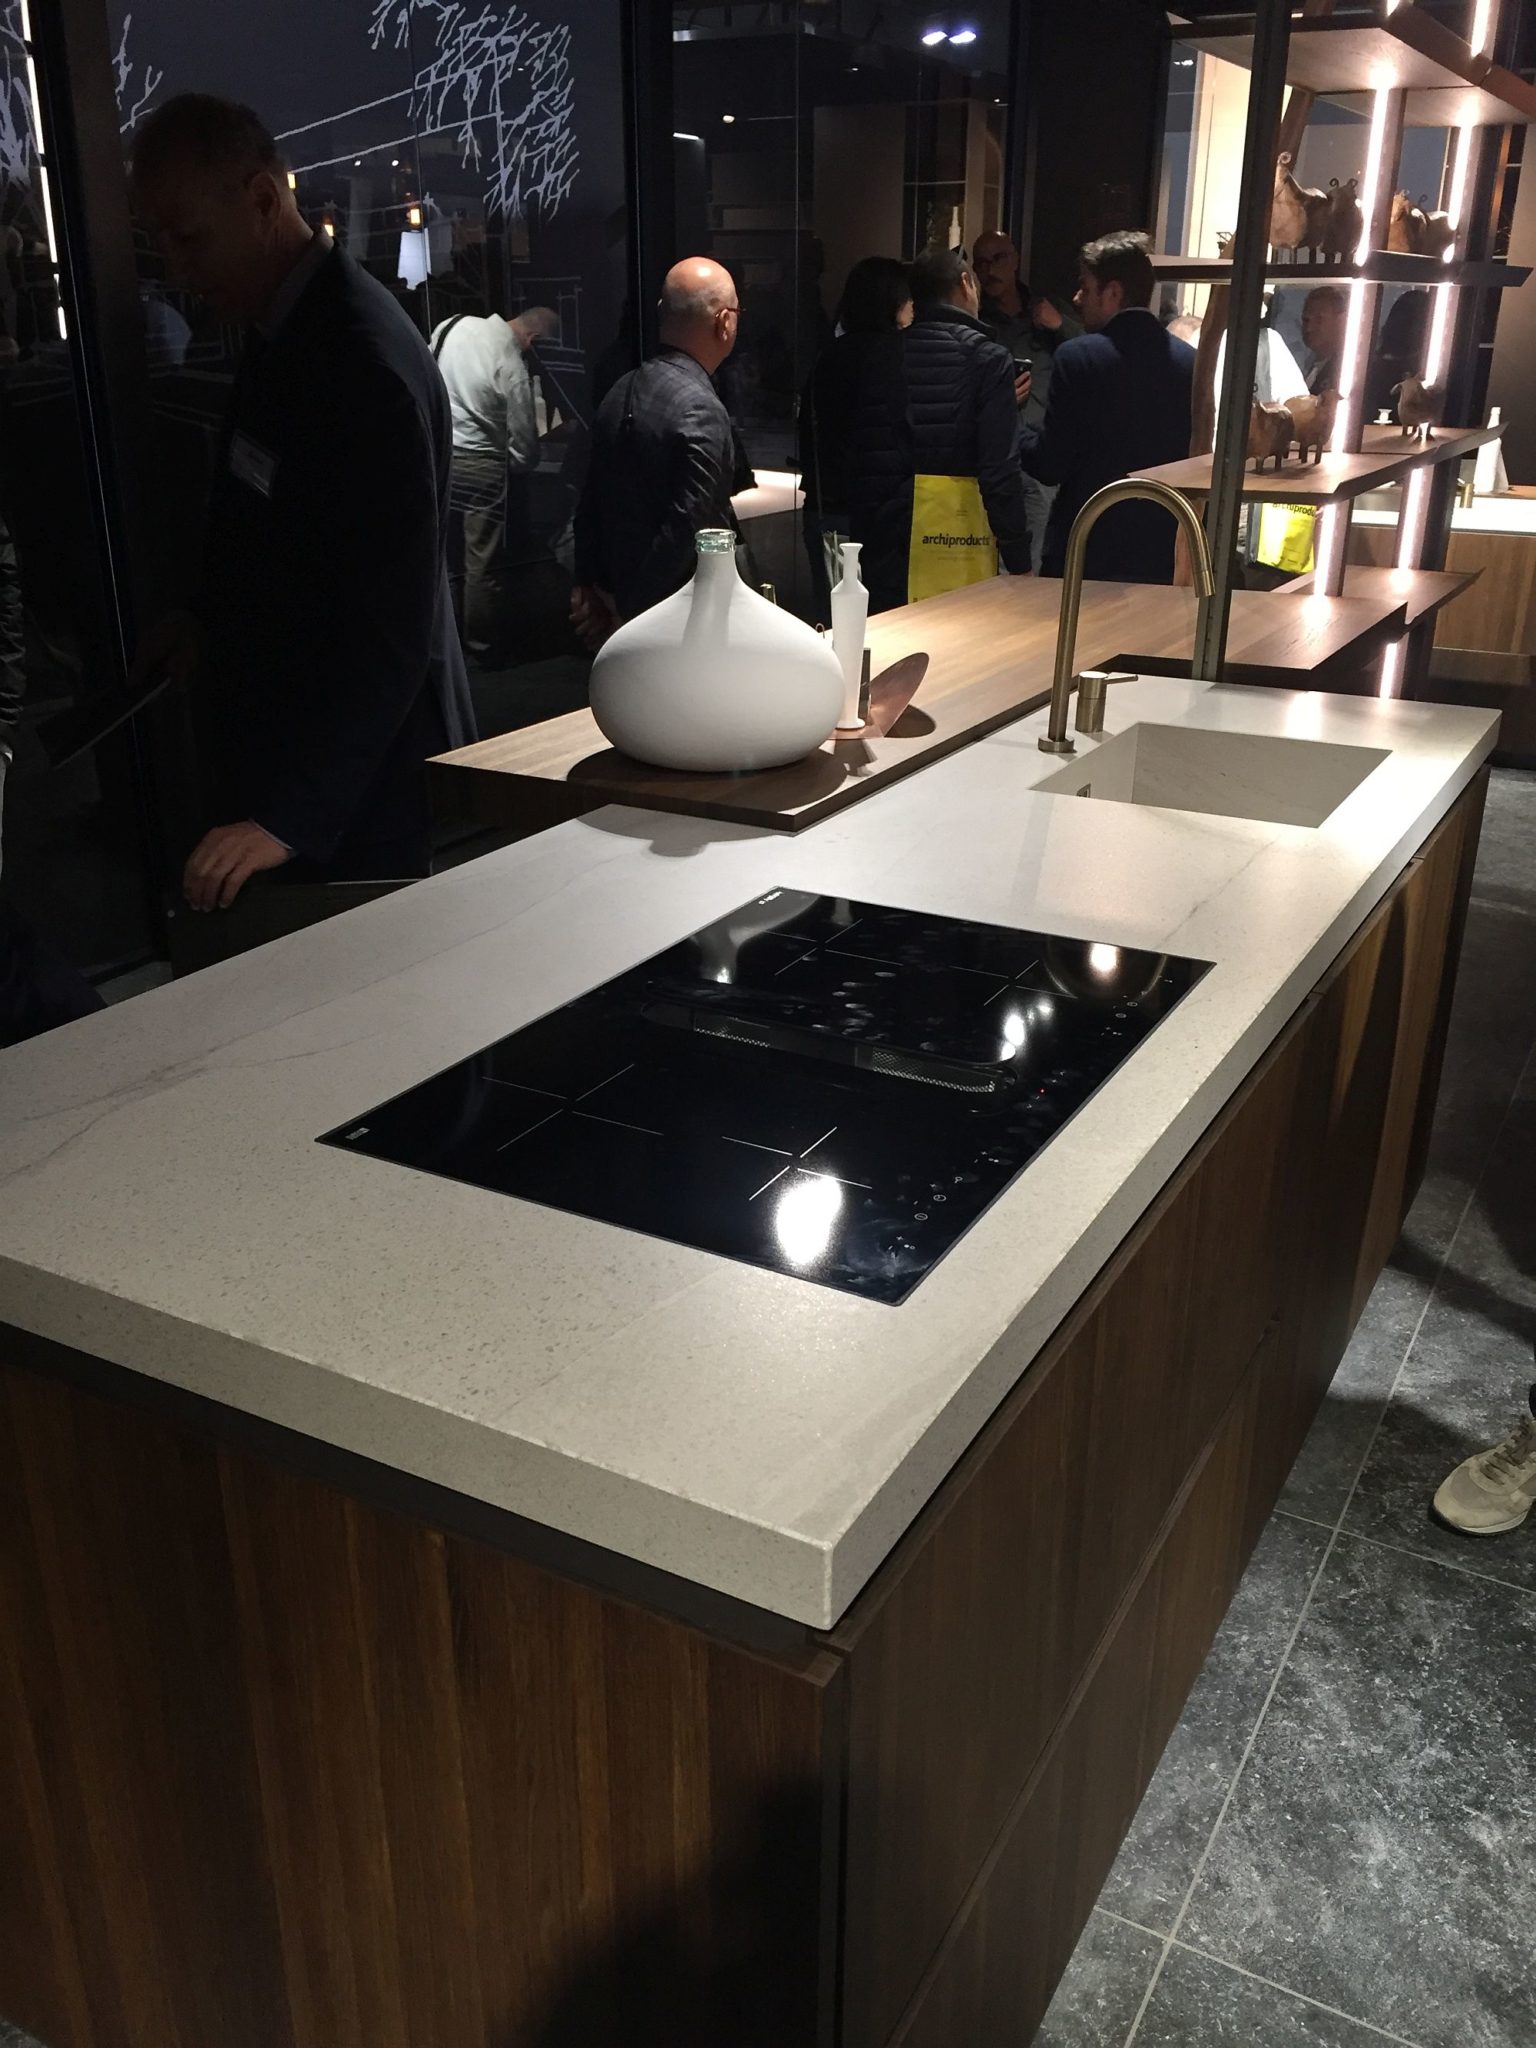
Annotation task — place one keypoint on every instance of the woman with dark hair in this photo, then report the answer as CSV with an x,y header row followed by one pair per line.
x,y
877,296
876,305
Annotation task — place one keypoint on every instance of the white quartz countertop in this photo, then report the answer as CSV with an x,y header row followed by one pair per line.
x,y
164,1204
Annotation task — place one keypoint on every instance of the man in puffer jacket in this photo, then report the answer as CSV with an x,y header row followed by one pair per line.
x,y
935,490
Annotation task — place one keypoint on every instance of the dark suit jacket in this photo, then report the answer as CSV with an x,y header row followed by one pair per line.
x,y
335,665
1120,400
663,459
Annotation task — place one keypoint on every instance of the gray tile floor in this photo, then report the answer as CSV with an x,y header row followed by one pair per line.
x,y
1339,1847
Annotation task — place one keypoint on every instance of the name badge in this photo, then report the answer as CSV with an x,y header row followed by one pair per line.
x,y
252,465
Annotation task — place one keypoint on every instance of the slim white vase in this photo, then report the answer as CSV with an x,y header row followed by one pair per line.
x,y
850,615
715,678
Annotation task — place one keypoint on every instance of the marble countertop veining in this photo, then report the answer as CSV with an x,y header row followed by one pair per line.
x,y
164,1205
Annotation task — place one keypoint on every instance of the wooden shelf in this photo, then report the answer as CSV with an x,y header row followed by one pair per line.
x,y
1349,56
1382,267
1421,592
1386,458
991,649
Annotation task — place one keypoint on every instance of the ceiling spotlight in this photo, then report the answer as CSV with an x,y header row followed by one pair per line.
x,y
727,119
963,35
935,35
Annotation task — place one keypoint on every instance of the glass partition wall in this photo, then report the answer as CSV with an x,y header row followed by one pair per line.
x,y
808,135
471,159
77,863
496,160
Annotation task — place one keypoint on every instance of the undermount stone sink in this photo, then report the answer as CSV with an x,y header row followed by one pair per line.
x,y
1224,774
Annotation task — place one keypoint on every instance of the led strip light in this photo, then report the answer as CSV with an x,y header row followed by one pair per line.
x,y
1414,514
1414,511
1332,525
40,160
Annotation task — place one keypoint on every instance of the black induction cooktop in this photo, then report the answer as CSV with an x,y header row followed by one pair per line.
x,y
835,1090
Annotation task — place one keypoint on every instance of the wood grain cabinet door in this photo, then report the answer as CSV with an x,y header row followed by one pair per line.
x,y
967,1651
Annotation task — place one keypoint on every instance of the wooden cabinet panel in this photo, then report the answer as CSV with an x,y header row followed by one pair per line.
x,y
965,1653
1255,1262
1422,912
285,1768
992,1978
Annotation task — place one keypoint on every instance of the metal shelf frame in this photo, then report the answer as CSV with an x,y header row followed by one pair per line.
x,y
1408,66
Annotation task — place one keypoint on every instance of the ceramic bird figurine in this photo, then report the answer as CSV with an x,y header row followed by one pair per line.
x,y
1345,222
1437,234
1420,407
1312,421
1270,433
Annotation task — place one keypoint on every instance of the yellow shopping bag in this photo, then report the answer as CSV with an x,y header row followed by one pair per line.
x,y
952,543
1286,538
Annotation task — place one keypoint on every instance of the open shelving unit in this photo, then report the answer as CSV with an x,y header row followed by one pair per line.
x,y
1400,67
1355,52
1386,457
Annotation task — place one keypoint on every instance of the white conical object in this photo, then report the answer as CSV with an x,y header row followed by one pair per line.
x,y
850,615
715,678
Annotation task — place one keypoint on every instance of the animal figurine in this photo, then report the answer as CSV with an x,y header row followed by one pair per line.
x,y
1405,230
1420,407
1437,234
1345,222
1312,421
1270,433
1299,215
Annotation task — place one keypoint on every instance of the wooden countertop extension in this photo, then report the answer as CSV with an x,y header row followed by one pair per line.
x,y
991,652
1421,592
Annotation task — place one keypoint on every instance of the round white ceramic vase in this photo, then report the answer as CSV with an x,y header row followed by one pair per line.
x,y
715,678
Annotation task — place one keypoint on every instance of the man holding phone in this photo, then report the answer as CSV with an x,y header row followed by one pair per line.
x,y
1031,327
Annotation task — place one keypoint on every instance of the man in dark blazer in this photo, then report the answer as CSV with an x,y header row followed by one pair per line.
x,y
664,458
1120,400
324,627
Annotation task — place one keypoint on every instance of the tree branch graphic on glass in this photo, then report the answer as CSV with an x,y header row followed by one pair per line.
x,y
502,71
15,102
132,100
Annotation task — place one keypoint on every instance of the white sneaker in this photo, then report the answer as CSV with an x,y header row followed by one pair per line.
x,y
1495,1490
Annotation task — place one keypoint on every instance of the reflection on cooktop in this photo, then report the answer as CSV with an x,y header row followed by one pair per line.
x,y
831,1089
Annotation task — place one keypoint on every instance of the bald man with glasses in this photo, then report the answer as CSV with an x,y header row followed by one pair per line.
x,y
663,458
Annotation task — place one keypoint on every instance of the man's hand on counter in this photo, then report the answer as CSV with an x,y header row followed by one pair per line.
x,y
225,859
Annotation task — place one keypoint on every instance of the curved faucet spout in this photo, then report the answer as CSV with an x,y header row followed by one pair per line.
x,y
1129,488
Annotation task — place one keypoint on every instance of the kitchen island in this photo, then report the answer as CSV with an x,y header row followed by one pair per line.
x,y
436,1620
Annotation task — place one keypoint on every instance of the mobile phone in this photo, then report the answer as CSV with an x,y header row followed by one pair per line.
x,y
1023,365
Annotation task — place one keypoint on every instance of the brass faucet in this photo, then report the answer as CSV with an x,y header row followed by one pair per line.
x,y
1055,740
